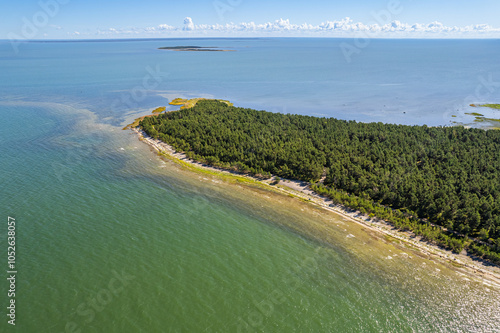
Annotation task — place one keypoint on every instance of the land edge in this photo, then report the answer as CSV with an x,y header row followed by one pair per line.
x,y
489,274
195,48
491,123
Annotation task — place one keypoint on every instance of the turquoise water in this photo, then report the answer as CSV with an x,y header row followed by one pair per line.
x,y
112,239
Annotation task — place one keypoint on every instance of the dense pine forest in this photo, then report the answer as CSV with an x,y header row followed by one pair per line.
x,y
441,183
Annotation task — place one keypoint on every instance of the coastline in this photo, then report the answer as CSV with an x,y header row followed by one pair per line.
x,y
301,191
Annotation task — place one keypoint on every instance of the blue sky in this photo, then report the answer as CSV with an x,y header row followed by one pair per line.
x,y
55,19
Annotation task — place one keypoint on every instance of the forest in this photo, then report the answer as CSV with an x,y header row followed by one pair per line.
x,y
441,183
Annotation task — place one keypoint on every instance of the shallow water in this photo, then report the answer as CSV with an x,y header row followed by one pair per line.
x,y
397,81
110,238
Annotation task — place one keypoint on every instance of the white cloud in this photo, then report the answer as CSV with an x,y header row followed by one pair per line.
x,y
188,24
345,27
166,27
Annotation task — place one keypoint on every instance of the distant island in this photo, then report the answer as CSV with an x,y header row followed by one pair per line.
x,y
194,48
440,183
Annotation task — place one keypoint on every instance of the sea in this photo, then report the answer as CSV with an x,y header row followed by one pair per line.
x,y
109,237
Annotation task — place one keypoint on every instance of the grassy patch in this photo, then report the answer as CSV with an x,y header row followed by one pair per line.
x,y
159,110
483,119
136,122
491,106
189,103
178,101
475,114
390,239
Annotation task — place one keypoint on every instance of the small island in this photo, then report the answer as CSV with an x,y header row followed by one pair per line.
x,y
159,109
437,183
194,48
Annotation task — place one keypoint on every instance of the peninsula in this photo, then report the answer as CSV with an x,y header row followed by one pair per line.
x,y
439,183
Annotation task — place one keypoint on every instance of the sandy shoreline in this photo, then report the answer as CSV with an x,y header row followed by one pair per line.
x,y
302,190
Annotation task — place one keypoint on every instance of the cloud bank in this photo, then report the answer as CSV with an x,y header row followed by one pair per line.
x,y
345,27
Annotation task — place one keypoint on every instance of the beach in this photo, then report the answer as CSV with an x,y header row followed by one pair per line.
x,y
301,190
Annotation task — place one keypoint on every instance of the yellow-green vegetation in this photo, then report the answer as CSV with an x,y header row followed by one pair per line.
x,y
228,177
160,109
391,239
480,118
186,104
492,106
136,122
178,101
189,103
454,263
483,119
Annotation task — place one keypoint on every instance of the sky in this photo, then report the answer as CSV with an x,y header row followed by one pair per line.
x,y
104,19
